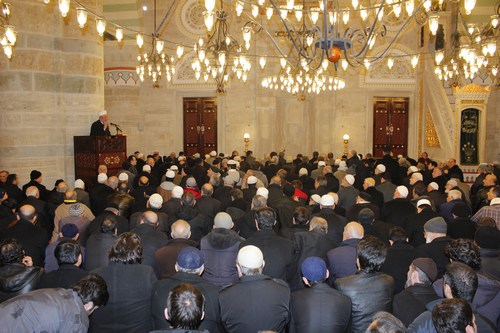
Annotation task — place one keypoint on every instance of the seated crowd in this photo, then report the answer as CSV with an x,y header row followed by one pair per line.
x,y
232,244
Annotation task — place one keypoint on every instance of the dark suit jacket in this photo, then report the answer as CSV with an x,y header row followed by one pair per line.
x,y
97,250
435,251
152,240
415,225
396,211
33,239
64,277
166,257
278,253
398,260
98,195
336,224
411,302
211,322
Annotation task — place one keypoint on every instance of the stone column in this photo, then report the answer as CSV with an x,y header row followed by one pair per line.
x,y
51,89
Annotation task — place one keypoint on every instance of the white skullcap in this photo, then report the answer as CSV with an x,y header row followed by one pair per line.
x,y
102,113
196,155
250,256
223,220
423,202
418,176
381,167
146,168
316,198
79,184
349,179
413,168
123,177
252,180
452,182
434,185
174,168
177,192
213,153
155,201
170,174
337,162
232,162
303,171
342,166
182,158
101,178
321,163
191,182
237,158
402,190
327,200
263,192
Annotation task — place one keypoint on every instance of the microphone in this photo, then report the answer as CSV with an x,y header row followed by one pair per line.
x,y
113,124
118,129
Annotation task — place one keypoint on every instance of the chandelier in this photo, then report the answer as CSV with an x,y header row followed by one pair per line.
x,y
472,54
156,63
8,38
220,55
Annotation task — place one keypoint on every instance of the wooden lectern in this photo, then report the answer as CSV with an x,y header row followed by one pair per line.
x,y
92,151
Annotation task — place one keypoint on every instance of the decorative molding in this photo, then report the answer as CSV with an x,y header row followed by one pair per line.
x,y
189,19
420,116
184,75
121,76
431,136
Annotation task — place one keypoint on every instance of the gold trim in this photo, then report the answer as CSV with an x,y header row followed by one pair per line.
x,y
431,137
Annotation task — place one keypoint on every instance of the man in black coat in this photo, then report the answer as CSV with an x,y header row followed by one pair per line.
x,y
410,303
99,244
285,207
101,125
99,193
319,308
396,210
189,213
36,180
207,205
152,239
33,238
391,166
33,199
336,223
275,191
277,250
377,196
364,200
94,227
256,302
415,222
436,240
189,267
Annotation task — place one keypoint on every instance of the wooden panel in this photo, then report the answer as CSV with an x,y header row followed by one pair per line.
x,y
200,125
390,125
210,124
381,108
399,121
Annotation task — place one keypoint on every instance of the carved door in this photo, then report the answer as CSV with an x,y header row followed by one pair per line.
x,y
200,125
390,125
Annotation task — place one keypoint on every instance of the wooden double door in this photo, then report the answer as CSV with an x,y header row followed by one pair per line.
x,y
200,125
390,125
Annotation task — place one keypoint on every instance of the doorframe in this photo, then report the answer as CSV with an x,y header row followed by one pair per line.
x,y
179,107
412,117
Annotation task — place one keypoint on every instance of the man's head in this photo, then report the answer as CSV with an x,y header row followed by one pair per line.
x,y
464,251
33,191
348,180
301,215
185,307
384,322
108,225
490,180
181,229
11,252
460,281
3,176
415,177
421,271
27,213
371,254
34,175
150,218
223,220
265,218
68,251
250,261
454,195
454,316
188,199
433,186
207,190
327,202
435,228
401,192
155,201
93,292
190,260
318,224
127,249
314,271
369,182
436,172
353,230
494,192
113,182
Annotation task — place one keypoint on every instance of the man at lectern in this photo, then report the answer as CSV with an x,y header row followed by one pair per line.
x,y
100,126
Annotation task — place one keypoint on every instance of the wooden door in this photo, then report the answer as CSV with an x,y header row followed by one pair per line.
x,y
200,125
390,125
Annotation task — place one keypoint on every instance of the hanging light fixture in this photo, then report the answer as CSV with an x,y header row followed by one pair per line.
x,y
220,56
9,37
155,63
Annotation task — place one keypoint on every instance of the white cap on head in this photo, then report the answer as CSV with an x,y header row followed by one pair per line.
x,y
174,168
402,190
342,166
196,155
191,182
418,176
79,184
146,168
349,179
123,177
327,200
102,113
321,163
303,171
213,153
423,202
181,158
177,192
316,198
252,180
170,174
413,168
155,201
434,185
452,182
250,256
263,192
381,168
101,178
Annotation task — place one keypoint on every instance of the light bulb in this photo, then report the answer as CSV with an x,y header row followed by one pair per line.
x,y
469,6
159,45
410,7
210,5
209,20
390,63
10,33
119,34
433,24
414,61
345,16
180,51
64,7
101,26
139,40
81,17
262,62
298,13
269,12
345,64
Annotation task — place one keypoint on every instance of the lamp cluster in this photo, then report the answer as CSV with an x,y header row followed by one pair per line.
x,y
8,37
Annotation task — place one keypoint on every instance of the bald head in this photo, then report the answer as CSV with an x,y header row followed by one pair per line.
x,y
150,218
207,190
33,191
28,213
353,230
62,187
70,195
181,229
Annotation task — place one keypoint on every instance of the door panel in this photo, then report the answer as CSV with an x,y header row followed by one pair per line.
x,y
200,125
390,125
